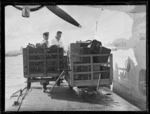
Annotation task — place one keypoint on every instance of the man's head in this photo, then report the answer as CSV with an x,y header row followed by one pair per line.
x,y
46,35
58,35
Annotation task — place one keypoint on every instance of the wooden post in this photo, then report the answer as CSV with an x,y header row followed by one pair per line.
x,y
27,60
72,72
45,61
58,58
111,68
91,60
57,80
99,79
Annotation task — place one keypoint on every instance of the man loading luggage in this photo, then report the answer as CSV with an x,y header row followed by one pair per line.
x,y
58,42
45,43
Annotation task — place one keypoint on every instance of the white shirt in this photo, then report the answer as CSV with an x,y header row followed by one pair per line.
x,y
46,41
56,42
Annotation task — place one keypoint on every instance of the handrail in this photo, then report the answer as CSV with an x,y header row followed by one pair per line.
x,y
42,54
86,64
89,55
90,72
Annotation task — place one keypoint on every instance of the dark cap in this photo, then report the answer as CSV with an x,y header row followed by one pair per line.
x,y
59,32
46,33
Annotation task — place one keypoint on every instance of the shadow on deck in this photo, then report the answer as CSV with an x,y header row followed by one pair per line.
x,y
79,95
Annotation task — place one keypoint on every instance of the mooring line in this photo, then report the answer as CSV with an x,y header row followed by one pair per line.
x,y
26,93
14,94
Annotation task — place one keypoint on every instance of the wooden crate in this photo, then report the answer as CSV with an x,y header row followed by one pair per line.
x,y
74,50
90,71
40,62
104,75
96,67
25,60
100,59
81,68
53,49
82,76
85,50
39,50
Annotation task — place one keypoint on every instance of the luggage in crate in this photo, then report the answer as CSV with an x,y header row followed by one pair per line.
x,y
100,59
54,57
104,75
53,66
36,70
55,49
82,76
82,68
95,46
96,68
38,50
65,62
85,50
36,67
85,60
36,57
51,69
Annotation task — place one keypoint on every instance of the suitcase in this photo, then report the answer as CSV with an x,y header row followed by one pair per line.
x,y
101,59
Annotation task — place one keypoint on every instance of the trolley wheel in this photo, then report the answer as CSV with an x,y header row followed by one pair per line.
x,y
58,83
70,87
28,83
94,88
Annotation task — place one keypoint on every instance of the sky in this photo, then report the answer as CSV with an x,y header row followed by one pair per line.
x,y
20,31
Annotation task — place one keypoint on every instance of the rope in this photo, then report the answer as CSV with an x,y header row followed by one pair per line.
x,y
24,98
21,90
13,95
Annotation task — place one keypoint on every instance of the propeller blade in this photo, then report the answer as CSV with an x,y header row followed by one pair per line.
x,y
62,14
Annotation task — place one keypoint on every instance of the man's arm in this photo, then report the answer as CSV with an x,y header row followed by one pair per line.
x,y
42,42
61,44
48,45
53,42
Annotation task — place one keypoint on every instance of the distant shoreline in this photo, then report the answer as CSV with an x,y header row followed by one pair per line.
x,y
12,55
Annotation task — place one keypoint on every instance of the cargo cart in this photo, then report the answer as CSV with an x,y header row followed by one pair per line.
x,y
86,68
42,64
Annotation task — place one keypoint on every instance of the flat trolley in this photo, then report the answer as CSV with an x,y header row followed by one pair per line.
x,y
42,64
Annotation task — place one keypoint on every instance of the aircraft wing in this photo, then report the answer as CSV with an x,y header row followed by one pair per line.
x,y
123,8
